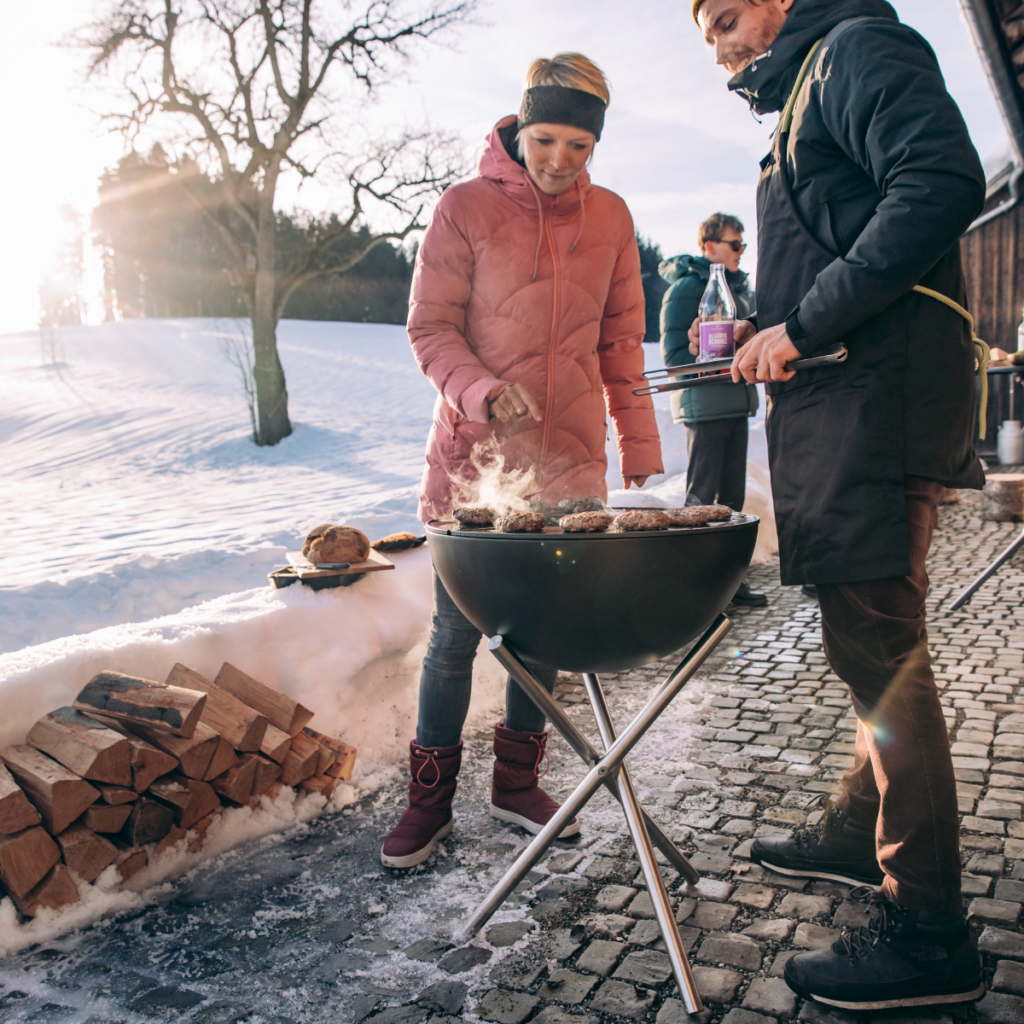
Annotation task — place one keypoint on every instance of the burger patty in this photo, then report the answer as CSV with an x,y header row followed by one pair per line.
x,y
642,519
586,522
573,505
698,515
521,522
474,516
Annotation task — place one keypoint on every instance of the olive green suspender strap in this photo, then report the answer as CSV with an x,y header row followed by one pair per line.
x,y
981,348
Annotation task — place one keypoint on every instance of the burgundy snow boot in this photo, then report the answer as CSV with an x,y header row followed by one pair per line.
x,y
428,818
515,795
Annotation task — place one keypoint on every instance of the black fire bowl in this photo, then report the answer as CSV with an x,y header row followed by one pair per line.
x,y
598,602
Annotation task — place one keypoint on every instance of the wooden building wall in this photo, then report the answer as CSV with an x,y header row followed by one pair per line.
x,y
993,258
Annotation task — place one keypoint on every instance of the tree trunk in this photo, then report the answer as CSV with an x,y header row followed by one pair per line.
x,y
272,423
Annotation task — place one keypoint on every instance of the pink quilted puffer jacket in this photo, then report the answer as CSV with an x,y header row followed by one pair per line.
x,y
513,286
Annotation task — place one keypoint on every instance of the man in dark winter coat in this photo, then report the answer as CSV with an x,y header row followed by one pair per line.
x,y
715,417
871,181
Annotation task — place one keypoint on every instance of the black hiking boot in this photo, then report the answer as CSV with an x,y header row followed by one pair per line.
x,y
902,958
749,598
838,848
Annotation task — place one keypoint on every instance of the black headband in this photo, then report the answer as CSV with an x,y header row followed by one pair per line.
x,y
557,104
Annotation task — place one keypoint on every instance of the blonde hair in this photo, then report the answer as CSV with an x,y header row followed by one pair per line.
x,y
571,71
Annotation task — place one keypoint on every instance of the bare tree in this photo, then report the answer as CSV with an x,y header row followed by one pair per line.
x,y
255,90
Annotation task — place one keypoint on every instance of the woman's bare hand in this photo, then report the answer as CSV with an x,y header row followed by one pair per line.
x,y
742,332
636,481
513,404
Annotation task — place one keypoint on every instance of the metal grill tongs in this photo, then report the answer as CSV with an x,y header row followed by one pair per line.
x,y
827,357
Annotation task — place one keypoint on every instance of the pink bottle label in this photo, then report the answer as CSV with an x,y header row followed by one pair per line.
x,y
716,341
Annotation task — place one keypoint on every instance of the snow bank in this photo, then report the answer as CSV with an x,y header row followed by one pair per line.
x,y
351,654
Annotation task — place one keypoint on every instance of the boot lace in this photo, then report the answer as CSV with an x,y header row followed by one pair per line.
x,y
542,752
858,942
430,757
809,836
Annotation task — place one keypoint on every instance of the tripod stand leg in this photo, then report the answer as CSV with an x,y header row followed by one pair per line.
x,y
605,768
561,721
648,864
988,573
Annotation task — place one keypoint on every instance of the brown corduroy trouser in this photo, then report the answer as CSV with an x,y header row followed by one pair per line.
x,y
902,780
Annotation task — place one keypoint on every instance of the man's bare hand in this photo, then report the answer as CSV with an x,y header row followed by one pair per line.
x,y
743,331
513,404
764,357
636,481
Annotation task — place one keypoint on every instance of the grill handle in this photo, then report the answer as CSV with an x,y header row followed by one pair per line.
x,y
828,357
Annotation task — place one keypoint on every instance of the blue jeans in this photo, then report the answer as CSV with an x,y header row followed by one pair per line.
x,y
447,679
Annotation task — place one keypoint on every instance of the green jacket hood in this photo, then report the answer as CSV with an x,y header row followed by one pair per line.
x,y
678,267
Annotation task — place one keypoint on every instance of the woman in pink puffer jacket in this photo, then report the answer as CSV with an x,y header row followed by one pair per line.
x,y
527,315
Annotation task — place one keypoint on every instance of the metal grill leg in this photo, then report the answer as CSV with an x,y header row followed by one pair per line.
x,y
648,864
561,721
608,767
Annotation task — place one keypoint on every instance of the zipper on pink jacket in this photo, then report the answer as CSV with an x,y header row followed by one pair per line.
x,y
549,404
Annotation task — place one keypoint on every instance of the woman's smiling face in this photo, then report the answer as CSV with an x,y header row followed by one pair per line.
x,y
555,154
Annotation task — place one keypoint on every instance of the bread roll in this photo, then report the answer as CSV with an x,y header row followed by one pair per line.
x,y
331,544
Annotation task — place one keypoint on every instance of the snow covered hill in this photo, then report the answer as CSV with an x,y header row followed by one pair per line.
x,y
131,488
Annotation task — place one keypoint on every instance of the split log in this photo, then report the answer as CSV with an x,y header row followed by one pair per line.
x,y
148,762
168,709
239,724
267,772
236,783
222,759
25,859
101,817
130,861
171,840
274,790
301,760
120,795
327,755
280,710
1002,500
148,821
346,756
16,812
56,890
200,829
322,784
59,795
188,799
83,745
192,755
276,744
85,852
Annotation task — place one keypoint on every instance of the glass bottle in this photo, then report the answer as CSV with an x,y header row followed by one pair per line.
x,y
717,315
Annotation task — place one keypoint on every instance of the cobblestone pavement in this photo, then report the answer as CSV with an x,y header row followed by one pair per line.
x,y
309,926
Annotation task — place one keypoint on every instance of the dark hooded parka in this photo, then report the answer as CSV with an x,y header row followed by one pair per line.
x,y
866,198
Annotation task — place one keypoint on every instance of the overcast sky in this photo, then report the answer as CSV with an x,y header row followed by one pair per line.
x,y
677,146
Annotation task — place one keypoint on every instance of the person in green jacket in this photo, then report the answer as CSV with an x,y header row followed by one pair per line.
x,y
715,417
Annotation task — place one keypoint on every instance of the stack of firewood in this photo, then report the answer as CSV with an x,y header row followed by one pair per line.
x,y
134,767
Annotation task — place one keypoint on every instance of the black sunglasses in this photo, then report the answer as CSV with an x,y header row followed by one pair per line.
x,y
734,245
